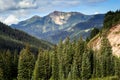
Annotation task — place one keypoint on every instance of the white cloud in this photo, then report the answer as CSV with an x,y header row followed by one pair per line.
x,y
26,4
30,4
96,13
11,19
16,4
23,9
1,19
7,4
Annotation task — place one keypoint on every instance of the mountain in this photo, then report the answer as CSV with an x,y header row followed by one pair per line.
x,y
16,39
58,25
84,28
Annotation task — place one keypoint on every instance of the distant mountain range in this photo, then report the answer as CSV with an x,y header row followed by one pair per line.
x,y
58,25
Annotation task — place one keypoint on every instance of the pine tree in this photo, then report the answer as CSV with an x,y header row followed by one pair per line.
x,y
74,71
55,66
42,66
14,64
47,65
106,57
117,67
68,52
97,65
86,65
8,65
39,67
26,64
60,59
69,76
1,67
1,74
61,74
79,50
94,32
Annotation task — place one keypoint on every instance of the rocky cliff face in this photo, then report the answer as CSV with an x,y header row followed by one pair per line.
x,y
60,18
114,39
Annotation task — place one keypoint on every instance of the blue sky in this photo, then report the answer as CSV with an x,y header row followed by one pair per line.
x,y
13,11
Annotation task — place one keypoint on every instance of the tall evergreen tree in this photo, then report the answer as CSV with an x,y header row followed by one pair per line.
x,y
86,65
55,66
97,64
74,71
106,56
67,57
60,59
42,66
69,76
47,65
8,65
79,50
39,67
1,67
117,67
1,74
26,64
14,64
94,32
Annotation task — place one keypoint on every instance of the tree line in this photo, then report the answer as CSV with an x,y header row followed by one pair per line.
x,y
111,19
67,61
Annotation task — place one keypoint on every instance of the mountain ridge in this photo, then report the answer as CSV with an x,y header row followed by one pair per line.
x,y
53,25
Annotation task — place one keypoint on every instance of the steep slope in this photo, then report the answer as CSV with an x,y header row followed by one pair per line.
x,y
52,22
84,28
15,39
57,25
113,37
110,29
95,21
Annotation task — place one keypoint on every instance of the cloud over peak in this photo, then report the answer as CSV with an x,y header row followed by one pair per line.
x,y
11,19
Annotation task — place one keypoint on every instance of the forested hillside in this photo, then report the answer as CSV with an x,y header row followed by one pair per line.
x,y
67,61
15,39
111,19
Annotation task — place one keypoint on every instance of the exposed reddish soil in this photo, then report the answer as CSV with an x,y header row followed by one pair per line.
x,y
114,39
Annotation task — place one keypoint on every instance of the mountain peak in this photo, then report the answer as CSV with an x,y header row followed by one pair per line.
x,y
33,19
56,13
35,16
57,23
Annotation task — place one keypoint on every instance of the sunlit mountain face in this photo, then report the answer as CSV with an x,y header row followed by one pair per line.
x,y
54,20
58,25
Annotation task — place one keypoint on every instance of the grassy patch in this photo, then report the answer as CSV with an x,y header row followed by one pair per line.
x,y
106,78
